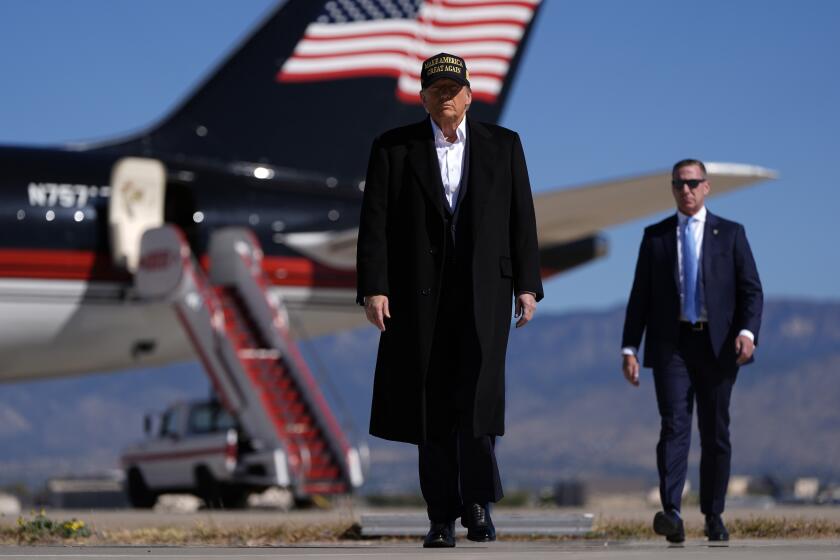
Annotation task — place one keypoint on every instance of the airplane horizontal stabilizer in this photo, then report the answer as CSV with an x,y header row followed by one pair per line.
x,y
566,215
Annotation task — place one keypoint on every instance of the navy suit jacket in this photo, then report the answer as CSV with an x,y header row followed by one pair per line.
x,y
731,285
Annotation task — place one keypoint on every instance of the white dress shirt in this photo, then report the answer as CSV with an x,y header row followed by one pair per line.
x,y
450,159
697,229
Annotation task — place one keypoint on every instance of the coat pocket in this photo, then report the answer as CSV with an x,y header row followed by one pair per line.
x,y
722,254
506,267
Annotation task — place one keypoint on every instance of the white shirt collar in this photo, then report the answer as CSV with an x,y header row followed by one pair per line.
x,y
440,139
700,216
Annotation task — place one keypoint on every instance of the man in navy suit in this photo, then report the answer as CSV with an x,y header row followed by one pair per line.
x,y
698,298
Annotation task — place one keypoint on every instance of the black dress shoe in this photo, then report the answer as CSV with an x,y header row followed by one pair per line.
x,y
670,525
440,535
479,526
715,529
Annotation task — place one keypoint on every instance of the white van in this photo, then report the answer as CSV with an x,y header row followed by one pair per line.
x,y
199,449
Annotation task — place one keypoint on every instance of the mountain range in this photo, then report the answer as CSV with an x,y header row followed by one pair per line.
x,y
570,413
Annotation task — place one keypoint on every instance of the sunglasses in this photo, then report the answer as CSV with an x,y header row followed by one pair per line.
x,y
692,183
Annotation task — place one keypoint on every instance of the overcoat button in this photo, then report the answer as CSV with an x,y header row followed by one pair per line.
x,y
426,291
433,250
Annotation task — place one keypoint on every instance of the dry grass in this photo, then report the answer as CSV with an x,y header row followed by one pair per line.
x,y
755,527
291,533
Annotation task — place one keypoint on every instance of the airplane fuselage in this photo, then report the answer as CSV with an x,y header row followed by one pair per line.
x,y
66,307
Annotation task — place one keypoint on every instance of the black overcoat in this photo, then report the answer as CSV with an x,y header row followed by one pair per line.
x,y
400,254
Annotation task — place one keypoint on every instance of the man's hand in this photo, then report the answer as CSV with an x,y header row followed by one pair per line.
x,y
744,347
526,305
376,309
630,367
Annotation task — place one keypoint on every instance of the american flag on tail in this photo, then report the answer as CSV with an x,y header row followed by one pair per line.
x,y
355,38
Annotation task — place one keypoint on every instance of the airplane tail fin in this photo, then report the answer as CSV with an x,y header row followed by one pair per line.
x,y
312,86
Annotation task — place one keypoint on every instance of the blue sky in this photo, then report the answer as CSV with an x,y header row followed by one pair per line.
x,y
606,89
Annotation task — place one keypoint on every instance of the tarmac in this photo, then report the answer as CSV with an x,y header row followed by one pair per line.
x,y
743,550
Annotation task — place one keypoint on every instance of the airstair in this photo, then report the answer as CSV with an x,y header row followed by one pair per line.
x,y
240,332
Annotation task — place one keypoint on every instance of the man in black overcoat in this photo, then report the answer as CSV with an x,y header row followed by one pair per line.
x,y
447,236
698,299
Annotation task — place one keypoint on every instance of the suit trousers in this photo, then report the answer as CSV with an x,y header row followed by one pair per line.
x,y
456,468
693,374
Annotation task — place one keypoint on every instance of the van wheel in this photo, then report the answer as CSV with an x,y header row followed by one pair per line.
x,y
304,502
208,488
139,495
234,498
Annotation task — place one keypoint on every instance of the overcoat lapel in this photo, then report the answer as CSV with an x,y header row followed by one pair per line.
x,y
483,155
669,242
465,179
423,160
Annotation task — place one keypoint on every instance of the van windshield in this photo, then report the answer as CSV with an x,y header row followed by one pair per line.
x,y
207,418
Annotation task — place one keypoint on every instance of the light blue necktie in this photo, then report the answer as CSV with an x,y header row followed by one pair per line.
x,y
689,258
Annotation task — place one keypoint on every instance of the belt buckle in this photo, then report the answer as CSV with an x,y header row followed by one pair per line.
x,y
697,327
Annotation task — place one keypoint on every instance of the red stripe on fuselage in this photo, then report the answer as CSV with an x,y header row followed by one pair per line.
x,y
46,264
59,265
298,271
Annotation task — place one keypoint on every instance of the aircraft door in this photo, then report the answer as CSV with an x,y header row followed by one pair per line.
x,y
138,187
